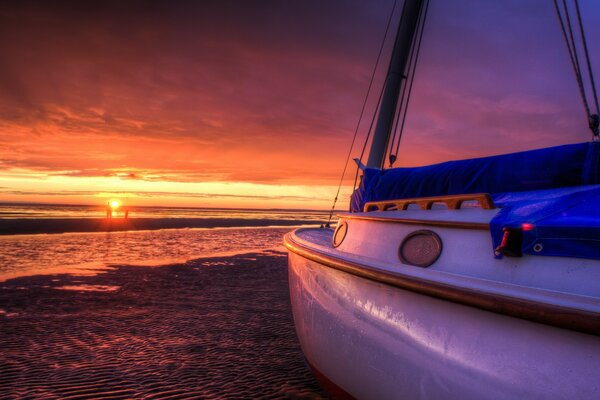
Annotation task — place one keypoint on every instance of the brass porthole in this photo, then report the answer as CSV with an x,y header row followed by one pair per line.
x,y
420,248
340,233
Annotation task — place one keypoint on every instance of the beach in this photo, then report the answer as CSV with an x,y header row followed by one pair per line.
x,y
218,327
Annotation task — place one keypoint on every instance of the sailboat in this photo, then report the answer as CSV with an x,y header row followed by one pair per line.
x,y
470,279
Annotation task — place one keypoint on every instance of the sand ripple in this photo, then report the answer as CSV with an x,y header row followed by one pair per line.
x,y
210,329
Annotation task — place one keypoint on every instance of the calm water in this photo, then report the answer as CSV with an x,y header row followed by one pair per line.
x,y
32,211
23,255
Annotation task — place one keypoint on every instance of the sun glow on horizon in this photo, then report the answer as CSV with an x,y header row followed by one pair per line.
x,y
114,204
19,187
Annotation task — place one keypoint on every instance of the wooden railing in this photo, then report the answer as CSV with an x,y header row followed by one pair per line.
x,y
453,202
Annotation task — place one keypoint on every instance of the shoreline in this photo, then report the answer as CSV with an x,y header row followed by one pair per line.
x,y
25,226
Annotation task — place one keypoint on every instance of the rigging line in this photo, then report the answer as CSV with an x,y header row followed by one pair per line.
x,y
564,32
362,112
571,36
574,47
412,78
397,112
362,153
392,157
572,54
587,56
412,64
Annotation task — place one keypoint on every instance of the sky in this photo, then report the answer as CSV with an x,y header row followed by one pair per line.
x,y
254,103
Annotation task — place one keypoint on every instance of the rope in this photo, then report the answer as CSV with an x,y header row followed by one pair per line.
x,y
587,57
412,80
576,58
593,120
361,115
564,32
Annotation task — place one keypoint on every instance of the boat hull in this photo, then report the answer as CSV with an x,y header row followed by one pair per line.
x,y
374,340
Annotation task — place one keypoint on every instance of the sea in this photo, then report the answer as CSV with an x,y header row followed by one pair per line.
x,y
90,252
25,210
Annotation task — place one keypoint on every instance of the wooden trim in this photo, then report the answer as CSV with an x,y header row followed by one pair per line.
x,y
444,224
544,313
453,202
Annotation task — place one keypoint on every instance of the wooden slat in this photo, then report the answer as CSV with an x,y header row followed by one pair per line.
x,y
453,202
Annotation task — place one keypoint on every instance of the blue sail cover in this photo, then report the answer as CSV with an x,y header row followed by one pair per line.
x,y
562,222
556,190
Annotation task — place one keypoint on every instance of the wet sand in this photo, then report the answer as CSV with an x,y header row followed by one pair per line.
x,y
209,328
21,226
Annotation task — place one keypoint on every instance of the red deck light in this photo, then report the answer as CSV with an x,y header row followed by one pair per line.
x,y
527,226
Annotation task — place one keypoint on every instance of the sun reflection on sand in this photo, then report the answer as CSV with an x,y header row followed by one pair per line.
x,y
93,253
89,288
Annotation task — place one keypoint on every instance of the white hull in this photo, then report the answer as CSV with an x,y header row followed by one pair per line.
x,y
378,341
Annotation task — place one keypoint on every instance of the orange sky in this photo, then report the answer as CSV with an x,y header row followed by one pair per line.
x,y
233,104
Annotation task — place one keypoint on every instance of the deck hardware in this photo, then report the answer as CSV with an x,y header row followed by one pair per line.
x,y
453,202
512,243
420,248
538,247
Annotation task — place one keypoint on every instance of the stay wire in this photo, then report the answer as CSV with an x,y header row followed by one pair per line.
x,y
362,153
587,57
412,79
402,97
362,112
571,48
576,57
395,126
565,36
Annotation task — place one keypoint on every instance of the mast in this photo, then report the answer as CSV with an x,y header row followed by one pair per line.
x,y
402,46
